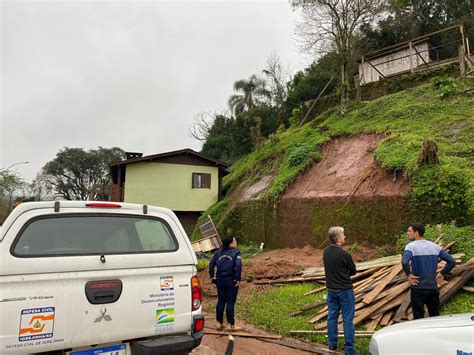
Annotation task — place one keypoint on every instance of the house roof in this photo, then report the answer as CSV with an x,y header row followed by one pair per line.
x,y
175,153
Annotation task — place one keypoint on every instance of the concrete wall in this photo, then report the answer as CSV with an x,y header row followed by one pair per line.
x,y
169,185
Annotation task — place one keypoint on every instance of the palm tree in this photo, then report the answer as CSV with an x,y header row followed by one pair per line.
x,y
253,93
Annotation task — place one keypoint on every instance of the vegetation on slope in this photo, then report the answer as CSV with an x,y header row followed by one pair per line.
x,y
438,193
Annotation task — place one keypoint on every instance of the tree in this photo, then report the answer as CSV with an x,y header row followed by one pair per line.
x,y
407,19
253,92
308,84
278,76
79,175
203,124
39,189
333,25
10,183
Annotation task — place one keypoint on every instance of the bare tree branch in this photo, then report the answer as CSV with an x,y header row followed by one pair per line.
x,y
333,25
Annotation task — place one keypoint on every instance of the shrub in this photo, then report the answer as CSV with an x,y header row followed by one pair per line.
x,y
300,154
400,152
438,194
447,86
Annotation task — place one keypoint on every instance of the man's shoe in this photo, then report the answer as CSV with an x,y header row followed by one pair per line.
x,y
333,348
220,326
233,328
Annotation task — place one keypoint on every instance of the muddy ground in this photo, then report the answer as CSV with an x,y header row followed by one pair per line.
x,y
217,344
288,262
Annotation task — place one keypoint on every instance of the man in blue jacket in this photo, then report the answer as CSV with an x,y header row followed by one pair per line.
x,y
420,262
227,278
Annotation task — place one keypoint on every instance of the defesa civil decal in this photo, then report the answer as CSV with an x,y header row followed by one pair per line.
x,y
36,323
166,283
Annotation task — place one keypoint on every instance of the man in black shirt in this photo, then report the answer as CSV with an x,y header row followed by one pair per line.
x,y
339,267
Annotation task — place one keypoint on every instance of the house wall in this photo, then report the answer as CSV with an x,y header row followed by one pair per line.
x,y
169,185
393,63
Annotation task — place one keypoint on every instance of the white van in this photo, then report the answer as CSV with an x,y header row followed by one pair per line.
x,y
82,277
452,334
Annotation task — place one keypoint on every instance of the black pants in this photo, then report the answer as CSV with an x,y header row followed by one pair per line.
x,y
422,297
226,298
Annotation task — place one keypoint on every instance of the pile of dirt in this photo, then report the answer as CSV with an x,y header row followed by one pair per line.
x,y
287,262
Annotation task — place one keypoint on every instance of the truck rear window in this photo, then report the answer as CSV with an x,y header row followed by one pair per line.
x,y
92,235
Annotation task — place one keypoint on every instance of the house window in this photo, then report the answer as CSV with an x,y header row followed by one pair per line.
x,y
201,181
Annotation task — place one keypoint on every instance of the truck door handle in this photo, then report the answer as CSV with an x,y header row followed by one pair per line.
x,y
100,292
103,296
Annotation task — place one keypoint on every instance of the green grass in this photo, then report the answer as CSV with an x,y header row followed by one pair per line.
x,y
406,118
269,310
283,155
442,192
462,302
202,264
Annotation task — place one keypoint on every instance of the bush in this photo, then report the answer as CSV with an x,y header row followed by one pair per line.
x,y
295,117
202,264
300,154
448,86
438,194
248,249
400,152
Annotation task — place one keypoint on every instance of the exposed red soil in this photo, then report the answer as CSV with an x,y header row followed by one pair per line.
x,y
348,168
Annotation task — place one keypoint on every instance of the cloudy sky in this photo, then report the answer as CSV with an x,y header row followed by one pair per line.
x,y
131,74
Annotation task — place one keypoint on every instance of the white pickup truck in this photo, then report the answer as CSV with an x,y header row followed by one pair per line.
x,y
97,278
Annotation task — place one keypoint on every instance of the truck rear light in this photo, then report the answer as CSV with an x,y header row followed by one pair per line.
x,y
104,285
196,292
198,325
103,204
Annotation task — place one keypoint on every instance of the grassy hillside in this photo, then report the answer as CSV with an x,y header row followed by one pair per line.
x,y
442,110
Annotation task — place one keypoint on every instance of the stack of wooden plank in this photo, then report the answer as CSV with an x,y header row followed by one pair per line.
x,y
210,240
382,292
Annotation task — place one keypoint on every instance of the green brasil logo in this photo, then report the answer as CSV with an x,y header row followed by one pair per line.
x,y
164,315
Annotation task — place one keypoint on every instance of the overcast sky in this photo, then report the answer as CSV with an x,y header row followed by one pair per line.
x,y
130,74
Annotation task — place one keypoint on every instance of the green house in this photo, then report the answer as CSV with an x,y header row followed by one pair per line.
x,y
184,181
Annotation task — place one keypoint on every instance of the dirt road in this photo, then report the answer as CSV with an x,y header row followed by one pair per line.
x,y
217,344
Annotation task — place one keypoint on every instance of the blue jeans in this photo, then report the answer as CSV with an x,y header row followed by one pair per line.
x,y
226,298
341,301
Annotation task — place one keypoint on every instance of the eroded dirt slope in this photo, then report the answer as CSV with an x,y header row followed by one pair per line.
x,y
348,168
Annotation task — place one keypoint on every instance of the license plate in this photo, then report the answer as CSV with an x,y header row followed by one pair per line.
x,y
120,349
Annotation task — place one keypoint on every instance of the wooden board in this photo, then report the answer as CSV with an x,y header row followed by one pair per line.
x,y
241,334
211,239
373,324
384,282
386,318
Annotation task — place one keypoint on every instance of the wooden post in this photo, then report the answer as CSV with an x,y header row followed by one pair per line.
x,y
462,63
357,86
410,44
362,78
